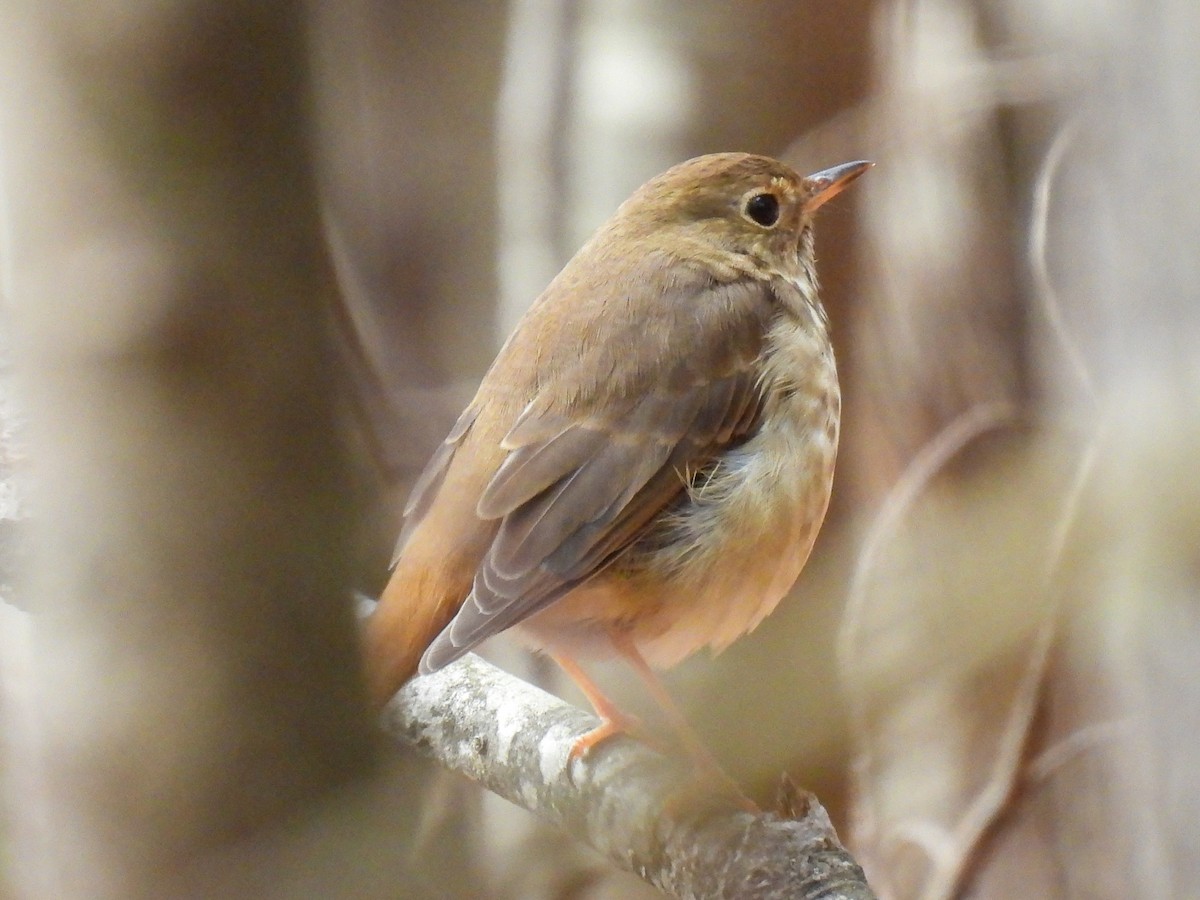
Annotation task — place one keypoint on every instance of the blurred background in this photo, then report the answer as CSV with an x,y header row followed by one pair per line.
x,y
987,671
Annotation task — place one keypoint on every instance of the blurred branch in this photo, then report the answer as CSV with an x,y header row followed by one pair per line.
x,y
1039,263
191,720
640,809
531,125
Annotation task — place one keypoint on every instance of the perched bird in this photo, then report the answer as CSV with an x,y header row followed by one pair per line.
x,y
647,462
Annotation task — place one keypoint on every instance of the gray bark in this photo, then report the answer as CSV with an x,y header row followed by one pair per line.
x,y
639,808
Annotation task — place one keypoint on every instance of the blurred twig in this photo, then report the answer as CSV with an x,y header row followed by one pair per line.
x,y
953,878
932,458
531,117
1046,295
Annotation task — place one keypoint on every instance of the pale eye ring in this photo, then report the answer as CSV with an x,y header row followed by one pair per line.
x,y
762,209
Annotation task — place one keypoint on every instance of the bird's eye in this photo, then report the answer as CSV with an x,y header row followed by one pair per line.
x,y
763,209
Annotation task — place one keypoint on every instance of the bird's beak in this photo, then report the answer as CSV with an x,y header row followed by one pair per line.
x,y
828,183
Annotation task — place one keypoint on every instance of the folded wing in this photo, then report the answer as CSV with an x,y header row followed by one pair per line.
x,y
648,405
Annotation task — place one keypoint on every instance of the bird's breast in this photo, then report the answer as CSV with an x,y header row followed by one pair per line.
x,y
717,561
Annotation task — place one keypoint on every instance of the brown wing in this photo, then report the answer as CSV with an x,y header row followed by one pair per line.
x,y
429,482
653,401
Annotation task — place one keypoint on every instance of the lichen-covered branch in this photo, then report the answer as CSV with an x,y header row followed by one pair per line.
x,y
642,810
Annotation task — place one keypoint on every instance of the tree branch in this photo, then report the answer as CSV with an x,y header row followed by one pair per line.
x,y
642,810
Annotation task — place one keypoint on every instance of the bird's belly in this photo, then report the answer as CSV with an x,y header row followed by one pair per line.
x,y
715,564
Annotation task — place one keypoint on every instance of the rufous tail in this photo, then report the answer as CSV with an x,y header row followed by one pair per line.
x,y
418,602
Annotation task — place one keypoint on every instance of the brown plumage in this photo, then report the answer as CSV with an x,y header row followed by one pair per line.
x,y
649,458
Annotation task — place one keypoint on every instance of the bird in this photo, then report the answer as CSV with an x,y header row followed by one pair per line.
x,y
647,462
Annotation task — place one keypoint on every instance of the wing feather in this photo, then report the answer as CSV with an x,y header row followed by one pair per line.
x,y
431,478
583,478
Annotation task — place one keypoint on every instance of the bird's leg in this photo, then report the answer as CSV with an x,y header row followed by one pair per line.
x,y
612,720
700,754
706,764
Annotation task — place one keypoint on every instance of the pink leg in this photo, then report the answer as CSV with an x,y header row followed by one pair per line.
x,y
707,767
612,720
706,764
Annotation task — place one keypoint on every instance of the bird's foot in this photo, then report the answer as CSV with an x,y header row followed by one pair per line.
x,y
614,722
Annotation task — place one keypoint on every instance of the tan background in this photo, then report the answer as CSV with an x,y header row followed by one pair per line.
x,y
987,671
